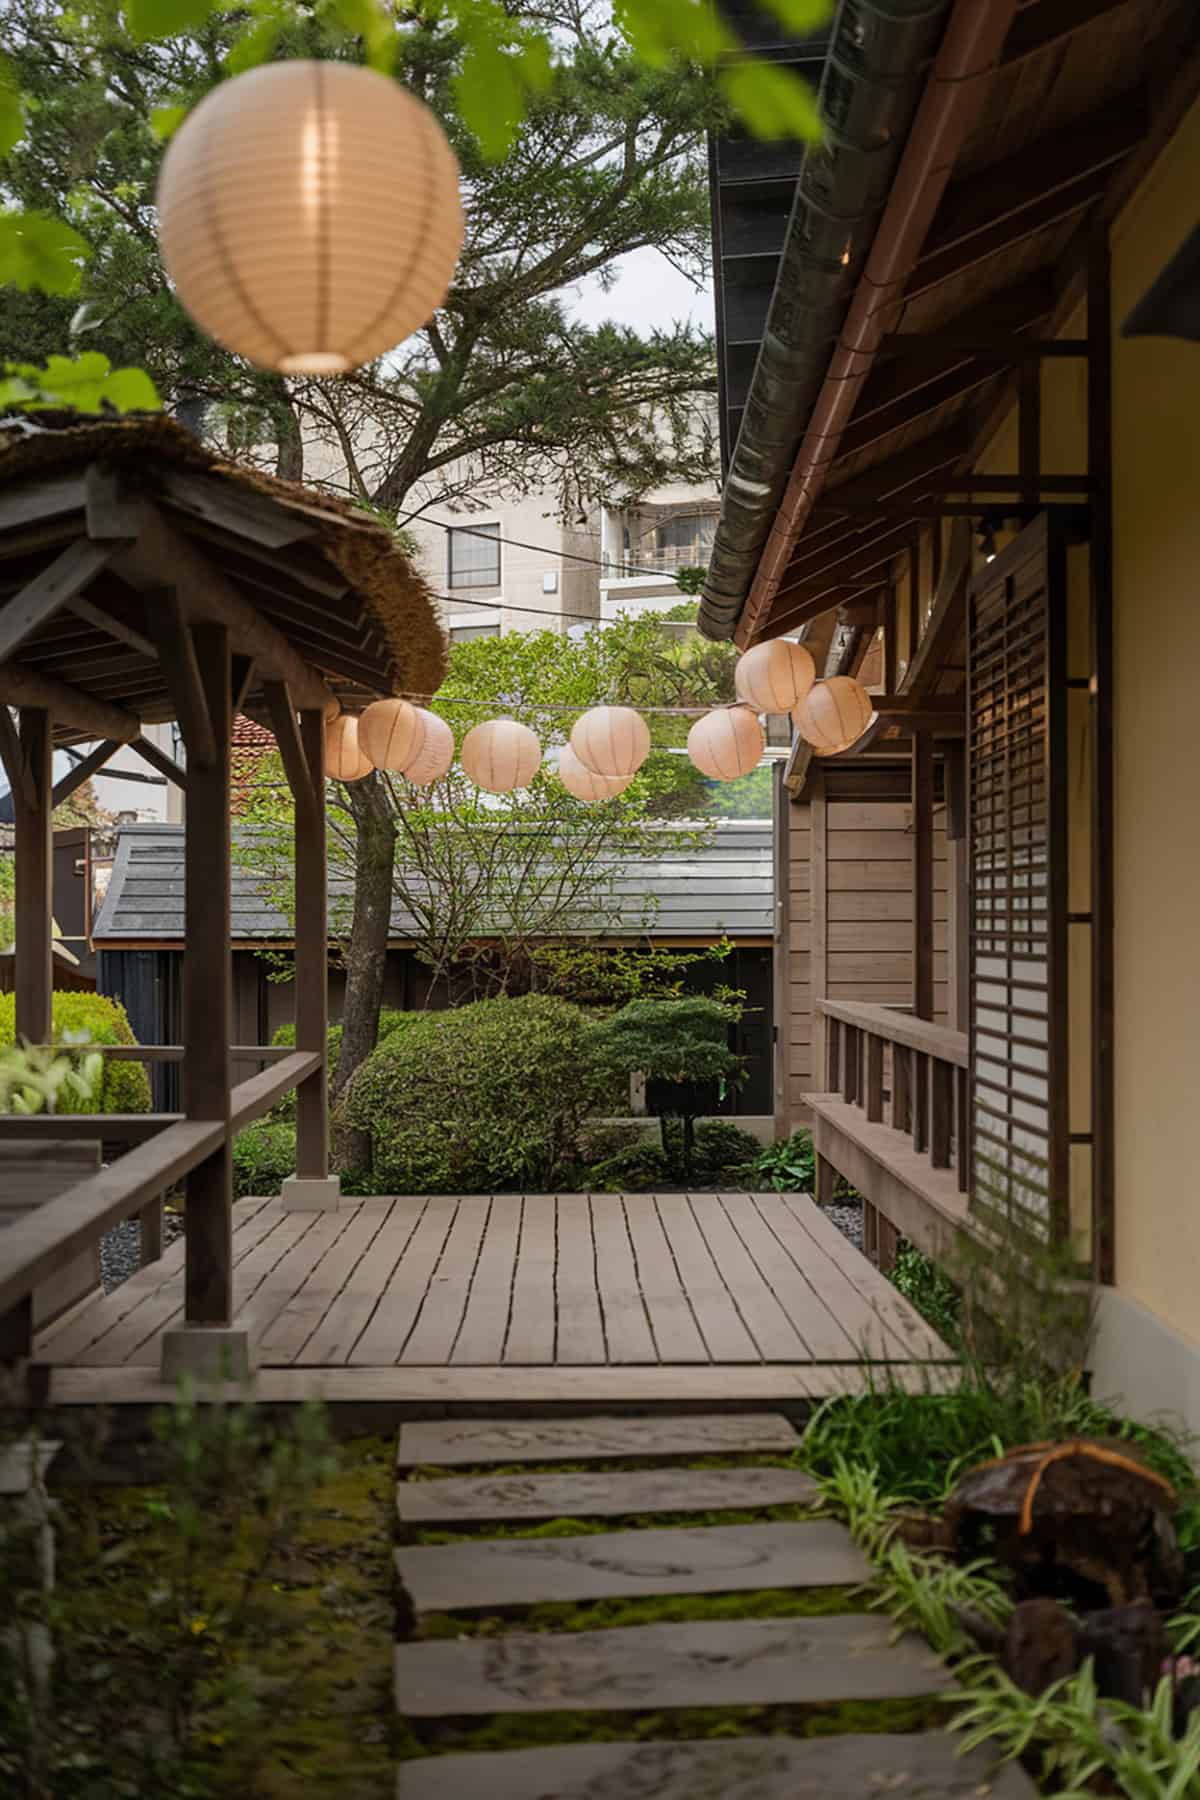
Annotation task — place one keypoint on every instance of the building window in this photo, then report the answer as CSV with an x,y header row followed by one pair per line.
x,y
474,556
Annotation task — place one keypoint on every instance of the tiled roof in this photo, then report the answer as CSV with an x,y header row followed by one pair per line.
x,y
250,744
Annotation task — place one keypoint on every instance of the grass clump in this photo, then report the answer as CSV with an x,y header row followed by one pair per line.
x,y
677,1609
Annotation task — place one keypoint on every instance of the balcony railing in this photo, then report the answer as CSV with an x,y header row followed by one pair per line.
x,y
905,1072
666,562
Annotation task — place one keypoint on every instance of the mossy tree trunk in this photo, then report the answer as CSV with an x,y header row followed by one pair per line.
x,y
366,956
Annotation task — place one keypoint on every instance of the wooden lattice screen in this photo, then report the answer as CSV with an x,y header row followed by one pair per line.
x,y
1018,942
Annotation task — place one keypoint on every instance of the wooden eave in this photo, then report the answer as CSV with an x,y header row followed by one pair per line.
x,y
1082,100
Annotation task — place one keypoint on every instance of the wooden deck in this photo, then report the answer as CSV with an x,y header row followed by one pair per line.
x,y
477,1297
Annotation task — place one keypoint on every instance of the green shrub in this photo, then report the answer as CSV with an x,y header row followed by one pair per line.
x,y
263,1155
637,1169
721,1145
599,1142
483,1097
123,1087
389,1021
788,1167
928,1288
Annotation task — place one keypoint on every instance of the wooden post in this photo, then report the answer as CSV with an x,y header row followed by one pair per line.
x,y
920,1102
207,1021
33,844
941,1110
901,1087
1103,847
922,908
874,1078
312,958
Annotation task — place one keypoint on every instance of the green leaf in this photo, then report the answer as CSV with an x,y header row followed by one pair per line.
x,y
774,102
491,96
12,112
256,41
131,390
40,252
369,20
166,120
150,19
801,16
86,383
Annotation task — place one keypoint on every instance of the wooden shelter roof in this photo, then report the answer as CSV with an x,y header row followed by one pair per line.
x,y
1084,94
98,520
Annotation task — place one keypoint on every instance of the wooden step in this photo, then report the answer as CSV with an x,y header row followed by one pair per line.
x,y
462,1443
602,1494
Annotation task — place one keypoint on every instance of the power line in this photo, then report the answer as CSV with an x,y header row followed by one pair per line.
x,y
491,537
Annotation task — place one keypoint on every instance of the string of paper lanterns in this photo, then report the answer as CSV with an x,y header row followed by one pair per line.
x,y
608,744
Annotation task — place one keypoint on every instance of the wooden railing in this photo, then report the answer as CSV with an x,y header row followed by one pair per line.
x,y
166,1147
906,1073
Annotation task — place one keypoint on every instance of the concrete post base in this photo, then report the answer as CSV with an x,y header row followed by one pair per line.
x,y
302,1194
207,1352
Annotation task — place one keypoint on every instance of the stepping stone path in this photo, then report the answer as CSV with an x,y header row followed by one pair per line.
x,y
653,1668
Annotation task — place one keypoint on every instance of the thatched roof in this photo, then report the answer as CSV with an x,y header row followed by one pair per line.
x,y
327,577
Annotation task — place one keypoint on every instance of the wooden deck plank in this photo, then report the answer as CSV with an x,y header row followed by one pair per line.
x,y
745,1385
484,1325
911,1339
626,1326
260,1311
285,1338
579,1336
776,1335
440,1316
400,1304
531,1326
350,1314
721,1324
677,1337
248,1276
838,1287
821,1328
71,1334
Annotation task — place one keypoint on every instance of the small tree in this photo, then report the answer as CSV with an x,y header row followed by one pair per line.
x,y
681,1048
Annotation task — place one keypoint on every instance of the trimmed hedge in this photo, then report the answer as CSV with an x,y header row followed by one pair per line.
x,y
390,1021
263,1155
124,1087
482,1097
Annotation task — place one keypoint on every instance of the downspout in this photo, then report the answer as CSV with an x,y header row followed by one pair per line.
x,y
949,107
870,88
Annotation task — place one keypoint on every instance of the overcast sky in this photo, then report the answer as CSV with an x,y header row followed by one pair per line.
x,y
649,292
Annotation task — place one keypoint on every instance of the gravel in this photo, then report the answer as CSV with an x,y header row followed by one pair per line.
x,y
121,1248
847,1216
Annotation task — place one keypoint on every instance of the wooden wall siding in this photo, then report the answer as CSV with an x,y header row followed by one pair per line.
x,y
850,936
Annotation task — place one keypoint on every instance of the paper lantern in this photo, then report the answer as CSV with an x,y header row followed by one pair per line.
x,y
611,740
390,733
501,755
308,215
834,714
344,760
436,752
726,743
774,677
584,783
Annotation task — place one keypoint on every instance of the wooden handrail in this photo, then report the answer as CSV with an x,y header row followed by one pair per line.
x,y
264,1053
251,1099
109,1128
901,1028
47,1239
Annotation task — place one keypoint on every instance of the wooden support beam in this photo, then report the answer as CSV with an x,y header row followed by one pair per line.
x,y
1029,431
208,996
312,955
39,600
1044,23
177,656
110,626
922,910
33,958
111,513
11,755
83,771
291,751
158,759
244,670
93,718
164,555
946,616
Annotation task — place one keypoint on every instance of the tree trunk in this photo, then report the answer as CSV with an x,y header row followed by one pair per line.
x,y
366,957
289,451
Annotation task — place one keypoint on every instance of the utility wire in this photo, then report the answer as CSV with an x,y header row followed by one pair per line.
x,y
492,537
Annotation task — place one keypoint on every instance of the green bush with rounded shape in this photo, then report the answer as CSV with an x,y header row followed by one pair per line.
x,y
482,1097
390,1020
264,1155
123,1087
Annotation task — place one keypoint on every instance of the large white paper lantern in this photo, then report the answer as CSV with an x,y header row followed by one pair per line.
x,y
834,714
390,733
584,783
344,759
436,751
309,216
775,676
611,740
501,755
726,743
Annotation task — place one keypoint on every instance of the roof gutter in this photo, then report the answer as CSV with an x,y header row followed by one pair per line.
x,y
872,81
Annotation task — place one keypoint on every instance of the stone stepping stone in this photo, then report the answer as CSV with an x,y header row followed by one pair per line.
x,y
714,1559
924,1766
501,1499
646,1668
460,1443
